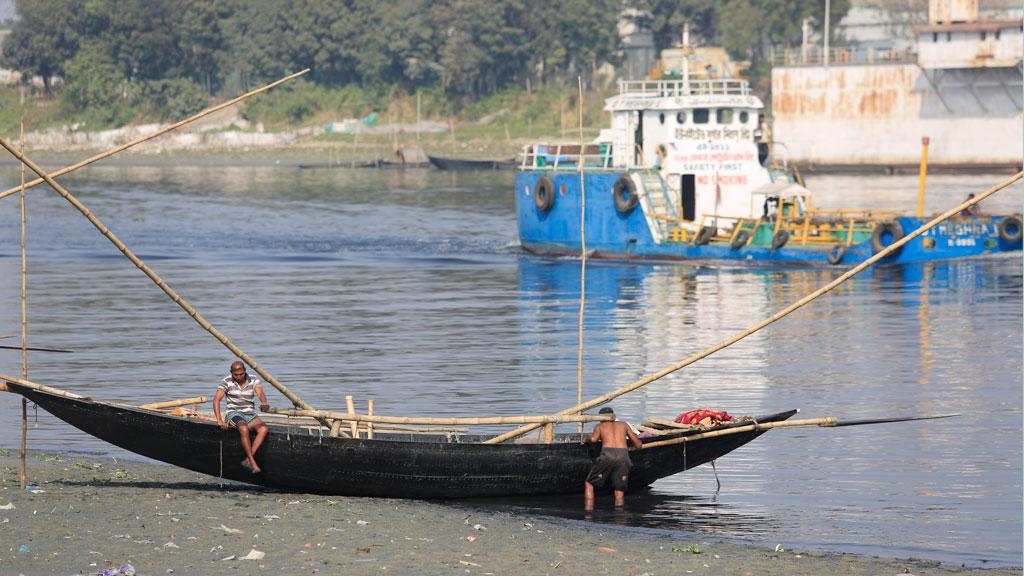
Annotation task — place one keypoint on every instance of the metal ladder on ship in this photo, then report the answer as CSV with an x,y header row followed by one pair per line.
x,y
661,213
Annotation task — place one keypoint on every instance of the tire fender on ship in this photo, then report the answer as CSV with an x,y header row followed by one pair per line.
x,y
705,235
740,240
779,239
1010,229
624,194
544,194
895,232
836,254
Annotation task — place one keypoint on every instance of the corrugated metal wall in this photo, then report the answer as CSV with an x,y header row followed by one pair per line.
x,y
877,115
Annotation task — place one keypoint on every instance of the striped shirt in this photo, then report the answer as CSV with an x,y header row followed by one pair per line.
x,y
239,399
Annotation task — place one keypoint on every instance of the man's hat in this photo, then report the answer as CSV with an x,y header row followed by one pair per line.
x,y
606,410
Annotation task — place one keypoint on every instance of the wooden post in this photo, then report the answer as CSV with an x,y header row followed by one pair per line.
x,y
369,425
352,412
549,432
921,178
335,429
451,127
22,474
174,296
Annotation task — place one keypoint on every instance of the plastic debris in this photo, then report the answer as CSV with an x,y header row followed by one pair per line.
x,y
171,545
8,506
229,530
253,554
361,522
127,569
232,557
606,549
470,538
24,549
479,527
33,488
779,548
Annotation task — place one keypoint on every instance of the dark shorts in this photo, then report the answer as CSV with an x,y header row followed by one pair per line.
x,y
237,418
613,464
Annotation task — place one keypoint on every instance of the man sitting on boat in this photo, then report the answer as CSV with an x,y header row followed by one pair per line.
x,y
240,389
613,463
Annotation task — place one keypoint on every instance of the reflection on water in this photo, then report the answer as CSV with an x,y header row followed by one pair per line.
x,y
407,287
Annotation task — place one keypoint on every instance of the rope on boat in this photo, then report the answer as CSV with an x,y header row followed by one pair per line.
x,y
159,132
174,296
775,317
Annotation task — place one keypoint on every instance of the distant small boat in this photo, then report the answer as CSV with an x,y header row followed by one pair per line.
x,y
379,163
463,164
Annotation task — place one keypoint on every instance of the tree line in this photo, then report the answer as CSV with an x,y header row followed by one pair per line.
x,y
173,54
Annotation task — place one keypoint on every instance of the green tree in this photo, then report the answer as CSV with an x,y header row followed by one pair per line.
x,y
47,34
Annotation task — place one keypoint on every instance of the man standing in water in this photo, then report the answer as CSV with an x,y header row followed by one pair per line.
x,y
240,390
613,463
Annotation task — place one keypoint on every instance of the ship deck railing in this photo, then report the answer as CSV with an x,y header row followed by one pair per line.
x,y
676,88
567,157
810,227
839,56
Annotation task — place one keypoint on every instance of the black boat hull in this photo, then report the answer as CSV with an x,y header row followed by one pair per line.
x,y
461,164
395,465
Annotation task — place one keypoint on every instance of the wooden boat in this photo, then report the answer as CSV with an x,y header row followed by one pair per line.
x,y
463,164
302,459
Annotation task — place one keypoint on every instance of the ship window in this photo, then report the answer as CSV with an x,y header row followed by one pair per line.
x,y
935,36
701,115
949,36
997,34
984,35
661,118
723,116
744,116
681,118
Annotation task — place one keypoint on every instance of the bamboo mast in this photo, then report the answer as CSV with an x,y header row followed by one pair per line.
x,y
159,132
22,474
583,260
188,308
775,317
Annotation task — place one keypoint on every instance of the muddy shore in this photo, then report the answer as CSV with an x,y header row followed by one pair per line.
x,y
84,515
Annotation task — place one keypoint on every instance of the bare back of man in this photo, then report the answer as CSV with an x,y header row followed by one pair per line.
x,y
613,464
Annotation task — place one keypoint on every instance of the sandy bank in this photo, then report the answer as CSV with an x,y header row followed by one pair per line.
x,y
95,513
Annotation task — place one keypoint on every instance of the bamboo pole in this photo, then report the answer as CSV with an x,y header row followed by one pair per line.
x,y
40,387
22,474
352,412
753,427
180,301
175,403
466,421
159,132
583,262
774,318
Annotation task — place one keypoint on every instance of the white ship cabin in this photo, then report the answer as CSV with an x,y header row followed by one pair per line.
x,y
704,139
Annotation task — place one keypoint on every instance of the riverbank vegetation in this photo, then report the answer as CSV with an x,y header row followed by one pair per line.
x,y
105,63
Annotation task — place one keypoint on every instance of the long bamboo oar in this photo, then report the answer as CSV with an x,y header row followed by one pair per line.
x,y
777,316
37,349
156,279
159,132
827,422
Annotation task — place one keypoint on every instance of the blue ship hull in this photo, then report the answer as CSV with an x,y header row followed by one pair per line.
x,y
612,234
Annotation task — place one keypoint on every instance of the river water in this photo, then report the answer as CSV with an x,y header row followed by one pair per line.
x,y
408,287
